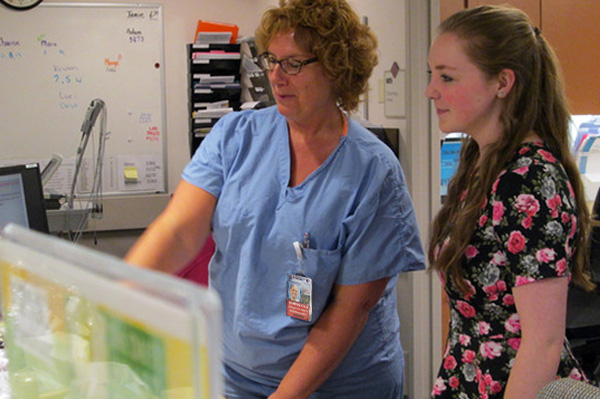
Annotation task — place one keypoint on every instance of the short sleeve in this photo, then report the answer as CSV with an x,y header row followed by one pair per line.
x,y
535,218
207,167
382,235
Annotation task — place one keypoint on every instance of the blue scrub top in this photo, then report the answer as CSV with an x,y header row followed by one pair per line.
x,y
359,218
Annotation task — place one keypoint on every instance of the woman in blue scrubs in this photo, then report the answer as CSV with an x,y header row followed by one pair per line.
x,y
299,193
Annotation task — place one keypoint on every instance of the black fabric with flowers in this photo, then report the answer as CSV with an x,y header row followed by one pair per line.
x,y
526,232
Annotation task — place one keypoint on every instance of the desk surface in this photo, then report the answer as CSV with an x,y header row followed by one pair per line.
x,y
67,220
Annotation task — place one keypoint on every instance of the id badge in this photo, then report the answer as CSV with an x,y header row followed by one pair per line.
x,y
299,297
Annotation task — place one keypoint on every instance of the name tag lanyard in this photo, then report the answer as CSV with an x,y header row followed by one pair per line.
x,y
299,287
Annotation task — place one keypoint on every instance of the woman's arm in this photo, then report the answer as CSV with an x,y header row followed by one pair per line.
x,y
330,338
178,233
541,306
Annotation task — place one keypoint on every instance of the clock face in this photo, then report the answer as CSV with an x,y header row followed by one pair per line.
x,y
21,4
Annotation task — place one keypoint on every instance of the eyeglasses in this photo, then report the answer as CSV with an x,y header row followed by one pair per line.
x,y
291,66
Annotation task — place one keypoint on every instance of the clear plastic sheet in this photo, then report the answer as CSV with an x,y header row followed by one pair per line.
x,y
84,325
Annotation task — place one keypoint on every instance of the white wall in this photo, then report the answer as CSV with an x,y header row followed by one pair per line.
x,y
389,21
387,18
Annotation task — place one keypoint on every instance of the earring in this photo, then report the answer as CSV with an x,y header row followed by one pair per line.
x,y
501,94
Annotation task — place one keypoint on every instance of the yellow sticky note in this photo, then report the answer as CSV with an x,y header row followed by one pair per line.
x,y
131,173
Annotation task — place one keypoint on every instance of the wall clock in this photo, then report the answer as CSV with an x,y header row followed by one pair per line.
x,y
21,4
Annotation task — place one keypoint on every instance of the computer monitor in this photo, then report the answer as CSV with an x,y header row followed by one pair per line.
x,y
389,135
450,157
22,197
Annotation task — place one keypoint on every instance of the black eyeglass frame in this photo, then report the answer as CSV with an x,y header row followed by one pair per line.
x,y
271,59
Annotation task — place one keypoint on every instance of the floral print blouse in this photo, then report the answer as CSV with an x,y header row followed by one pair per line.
x,y
526,232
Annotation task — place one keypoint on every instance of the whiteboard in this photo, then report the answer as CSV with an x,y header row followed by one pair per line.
x,y
54,60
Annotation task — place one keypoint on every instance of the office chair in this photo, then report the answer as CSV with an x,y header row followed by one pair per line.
x,y
583,312
568,388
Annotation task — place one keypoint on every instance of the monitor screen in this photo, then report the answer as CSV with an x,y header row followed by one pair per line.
x,y
450,156
22,197
389,135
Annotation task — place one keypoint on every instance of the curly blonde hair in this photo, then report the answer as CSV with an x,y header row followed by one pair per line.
x,y
333,32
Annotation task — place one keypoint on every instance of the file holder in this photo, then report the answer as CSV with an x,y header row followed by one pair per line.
x,y
83,325
214,71
203,47
217,94
216,67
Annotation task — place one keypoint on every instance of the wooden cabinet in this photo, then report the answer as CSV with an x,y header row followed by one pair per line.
x,y
530,7
572,28
449,7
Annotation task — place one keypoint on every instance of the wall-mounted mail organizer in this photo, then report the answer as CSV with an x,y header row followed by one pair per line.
x,y
214,79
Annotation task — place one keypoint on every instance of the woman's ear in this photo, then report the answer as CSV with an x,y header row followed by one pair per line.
x,y
506,80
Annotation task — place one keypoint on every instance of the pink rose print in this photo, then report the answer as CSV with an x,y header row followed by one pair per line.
x,y
561,267
439,386
490,349
522,170
521,280
464,339
491,291
501,284
571,192
471,252
549,157
450,363
576,375
465,309
499,259
573,226
545,255
483,384
487,378
482,390
484,328
527,222
495,387
468,356
516,242
514,343
553,203
495,185
568,250
565,217
513,324
523,150
508,300
527,204
497,213
483,220
453,382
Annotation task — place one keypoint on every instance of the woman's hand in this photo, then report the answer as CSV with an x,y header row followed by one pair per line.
x,y
330,338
